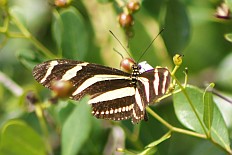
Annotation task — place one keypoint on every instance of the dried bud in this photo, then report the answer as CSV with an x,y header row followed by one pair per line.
x,y
31,98
62,89
223,11
62,3
133,6
125,20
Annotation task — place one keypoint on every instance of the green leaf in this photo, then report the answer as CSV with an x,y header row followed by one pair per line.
x,y
71,34
177,27
28,58
137,45
224,73
228,37
105,1
208,107
229,3
187,117
184,111
76,129
17,138
155,143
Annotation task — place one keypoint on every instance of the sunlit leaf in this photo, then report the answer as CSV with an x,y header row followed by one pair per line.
x,y
76,129
224,73
17,138
28,58
71,34
187,117
208,107
228,37
177,27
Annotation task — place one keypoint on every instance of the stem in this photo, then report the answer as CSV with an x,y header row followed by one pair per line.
x,y
40,116
10,85
186,132
28,35
172,128
132,137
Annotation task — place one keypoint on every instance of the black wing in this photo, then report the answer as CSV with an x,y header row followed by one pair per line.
x,y
112,93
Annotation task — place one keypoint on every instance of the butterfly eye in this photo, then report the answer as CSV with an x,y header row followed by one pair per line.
x,y
126,64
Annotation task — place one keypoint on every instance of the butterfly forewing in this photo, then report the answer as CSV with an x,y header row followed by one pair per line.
x,y
114,94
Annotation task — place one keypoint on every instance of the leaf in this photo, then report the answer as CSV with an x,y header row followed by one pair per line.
x,y
229,3
184,111
137,45
76,129
28,58
155,143
187,117
17,138
105,1
228,37
71,34
224,73
177,27
208,107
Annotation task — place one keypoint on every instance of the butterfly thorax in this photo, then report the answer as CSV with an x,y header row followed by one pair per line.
x,y
135,73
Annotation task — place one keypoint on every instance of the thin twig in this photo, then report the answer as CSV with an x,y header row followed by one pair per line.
x,y
10,85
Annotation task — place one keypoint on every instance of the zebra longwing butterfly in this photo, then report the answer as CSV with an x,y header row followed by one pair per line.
x,y
114,94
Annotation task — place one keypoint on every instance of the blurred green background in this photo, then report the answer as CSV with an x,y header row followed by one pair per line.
x,y
80,31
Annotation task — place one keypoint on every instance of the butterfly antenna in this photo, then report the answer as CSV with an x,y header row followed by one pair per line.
x,y
119,43
118,53
151,43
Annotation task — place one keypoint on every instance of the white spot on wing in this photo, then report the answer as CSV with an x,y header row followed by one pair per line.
x,y
52,64
156,82
145,82
113,94
73,71
138,100
164,81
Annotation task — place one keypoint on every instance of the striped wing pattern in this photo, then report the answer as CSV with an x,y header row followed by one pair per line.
x,y
113,93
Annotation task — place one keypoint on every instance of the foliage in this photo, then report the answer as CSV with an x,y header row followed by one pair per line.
x,y
193,118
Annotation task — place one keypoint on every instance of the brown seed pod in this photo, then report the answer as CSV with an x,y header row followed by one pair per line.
x,y
133,6
62,89
223,11
125,20
62,3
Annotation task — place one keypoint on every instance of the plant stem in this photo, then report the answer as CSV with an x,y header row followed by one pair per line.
x,y
28,35
172,128
10,84
40,116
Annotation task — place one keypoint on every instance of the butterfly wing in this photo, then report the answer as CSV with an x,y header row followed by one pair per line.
x,y
112,94
155,83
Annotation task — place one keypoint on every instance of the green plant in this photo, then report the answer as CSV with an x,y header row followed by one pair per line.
x,y
191,121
